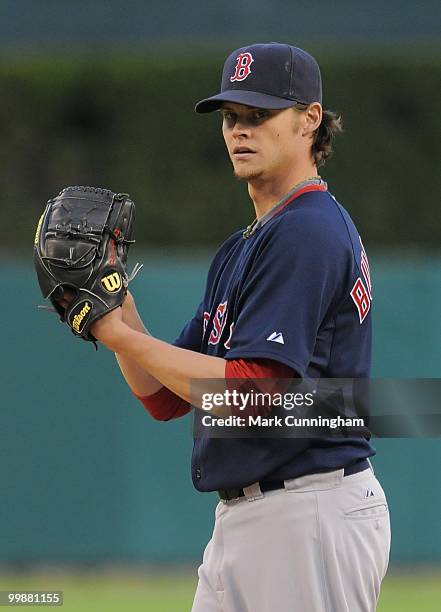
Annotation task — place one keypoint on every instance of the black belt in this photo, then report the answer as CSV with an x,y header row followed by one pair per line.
x,y
273,485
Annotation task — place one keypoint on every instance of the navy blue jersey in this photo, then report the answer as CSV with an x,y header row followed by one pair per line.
x,y
297,291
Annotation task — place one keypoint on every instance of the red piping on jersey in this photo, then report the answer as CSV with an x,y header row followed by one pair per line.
x,y
301,192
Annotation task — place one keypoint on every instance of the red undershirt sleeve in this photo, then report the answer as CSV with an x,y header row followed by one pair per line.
x,y
165,405
274,375
258,368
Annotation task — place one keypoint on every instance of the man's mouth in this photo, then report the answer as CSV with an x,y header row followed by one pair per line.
x,y
242,152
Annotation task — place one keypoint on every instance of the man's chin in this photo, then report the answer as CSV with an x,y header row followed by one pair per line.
x,y
247,175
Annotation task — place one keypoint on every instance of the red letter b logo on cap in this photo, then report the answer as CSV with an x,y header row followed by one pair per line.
x,y
242,70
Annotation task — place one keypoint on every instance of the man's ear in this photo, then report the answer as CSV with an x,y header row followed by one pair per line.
x,y
312,118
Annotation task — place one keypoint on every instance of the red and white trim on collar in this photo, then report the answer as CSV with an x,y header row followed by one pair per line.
x,y
306,189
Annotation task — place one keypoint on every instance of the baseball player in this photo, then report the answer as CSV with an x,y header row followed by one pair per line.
x,y
302,524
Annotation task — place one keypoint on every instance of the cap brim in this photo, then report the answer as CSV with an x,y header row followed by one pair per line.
x,y
241,96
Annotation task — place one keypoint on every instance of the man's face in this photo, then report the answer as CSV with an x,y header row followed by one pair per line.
x,y
262,144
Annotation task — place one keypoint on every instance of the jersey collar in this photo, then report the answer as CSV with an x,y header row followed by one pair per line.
x,y
313,184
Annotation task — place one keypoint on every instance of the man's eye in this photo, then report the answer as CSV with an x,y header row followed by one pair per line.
x,y
261,114
228,116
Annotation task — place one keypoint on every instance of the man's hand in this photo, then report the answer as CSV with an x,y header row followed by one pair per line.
x,y
111,327
128,306
80,254
111,330
130,314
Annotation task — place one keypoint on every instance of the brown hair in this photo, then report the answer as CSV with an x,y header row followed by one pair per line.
x,y
324,135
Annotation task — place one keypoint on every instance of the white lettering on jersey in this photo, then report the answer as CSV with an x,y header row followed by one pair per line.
x,y
219,321
205,323
227,343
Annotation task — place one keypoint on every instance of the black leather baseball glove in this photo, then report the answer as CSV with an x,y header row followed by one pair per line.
x,y
80,254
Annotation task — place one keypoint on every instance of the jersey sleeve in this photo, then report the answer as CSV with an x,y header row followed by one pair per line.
x,y
193,332
297,276
191,336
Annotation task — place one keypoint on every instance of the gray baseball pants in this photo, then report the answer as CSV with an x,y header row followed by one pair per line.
x,y
321,544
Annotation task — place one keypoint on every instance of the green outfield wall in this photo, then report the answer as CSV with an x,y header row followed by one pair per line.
x,y
126,122
87,475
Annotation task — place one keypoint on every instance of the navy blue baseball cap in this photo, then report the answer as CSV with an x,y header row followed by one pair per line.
x,y
272,75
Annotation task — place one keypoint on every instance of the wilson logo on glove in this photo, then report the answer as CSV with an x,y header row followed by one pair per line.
x,y
37,231
80,315
112,282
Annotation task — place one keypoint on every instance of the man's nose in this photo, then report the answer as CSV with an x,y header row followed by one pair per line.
x,y
241,128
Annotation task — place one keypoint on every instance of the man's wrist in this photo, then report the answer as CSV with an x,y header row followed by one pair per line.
x,y
113,334
120,339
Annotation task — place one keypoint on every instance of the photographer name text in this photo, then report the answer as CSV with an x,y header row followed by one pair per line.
x,y
290,420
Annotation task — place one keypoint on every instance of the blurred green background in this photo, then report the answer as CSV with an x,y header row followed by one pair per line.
x,y
96,496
